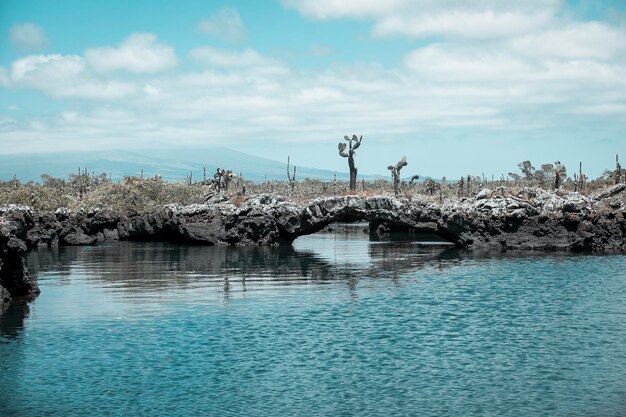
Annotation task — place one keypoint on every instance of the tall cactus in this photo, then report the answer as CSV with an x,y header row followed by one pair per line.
x,y
353,144
291,178
395,174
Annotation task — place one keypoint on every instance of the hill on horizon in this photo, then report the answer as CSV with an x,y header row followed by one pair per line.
x,y
171,164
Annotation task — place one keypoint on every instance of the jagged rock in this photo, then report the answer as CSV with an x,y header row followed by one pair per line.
x,y
535,220
610,192
14,277
79,237
62,213
484,193
110,234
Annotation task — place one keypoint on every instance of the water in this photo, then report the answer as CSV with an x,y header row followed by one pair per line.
x,y
336,326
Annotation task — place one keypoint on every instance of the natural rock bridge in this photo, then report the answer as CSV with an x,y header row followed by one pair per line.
x,y
272,220
536,220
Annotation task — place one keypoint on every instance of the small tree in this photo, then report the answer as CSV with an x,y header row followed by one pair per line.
x,y
395,174
559,173
527,169
544,175
353,144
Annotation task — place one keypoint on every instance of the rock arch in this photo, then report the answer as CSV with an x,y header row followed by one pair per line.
x,y
399,213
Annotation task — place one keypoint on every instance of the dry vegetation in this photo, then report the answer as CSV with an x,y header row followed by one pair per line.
x,y
138,195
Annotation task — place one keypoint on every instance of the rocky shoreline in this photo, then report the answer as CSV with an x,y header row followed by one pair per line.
x,y
532,219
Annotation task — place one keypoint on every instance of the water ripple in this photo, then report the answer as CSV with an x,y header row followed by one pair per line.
x,y
337,326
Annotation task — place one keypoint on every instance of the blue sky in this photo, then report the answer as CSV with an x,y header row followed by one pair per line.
x,y
457,86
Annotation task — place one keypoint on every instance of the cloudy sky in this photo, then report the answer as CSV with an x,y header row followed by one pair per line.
x,y
458,86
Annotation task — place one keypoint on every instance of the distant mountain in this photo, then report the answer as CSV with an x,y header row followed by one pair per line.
x,y
171,164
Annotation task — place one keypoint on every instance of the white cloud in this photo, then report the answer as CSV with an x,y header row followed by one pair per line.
x,y
576,41
468,64
335,9
42,69
530,77
483,24
320,94
28,36
228,58
474,19
64,76
602,109
584,71
445,62
225,24
374,9
210,79
151,90
248,60
139,53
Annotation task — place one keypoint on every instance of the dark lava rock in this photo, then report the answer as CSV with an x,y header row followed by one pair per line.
x,y
78,237
534,219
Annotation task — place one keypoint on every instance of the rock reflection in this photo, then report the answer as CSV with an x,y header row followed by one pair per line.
x,y
12,316
151,266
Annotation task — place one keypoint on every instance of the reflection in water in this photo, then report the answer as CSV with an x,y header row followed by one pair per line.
x,y
152,266
12,319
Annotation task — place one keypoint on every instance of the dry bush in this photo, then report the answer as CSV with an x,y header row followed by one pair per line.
x,y
139,195
133,195
237,199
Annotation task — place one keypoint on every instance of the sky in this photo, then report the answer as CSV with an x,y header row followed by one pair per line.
x,y
458,86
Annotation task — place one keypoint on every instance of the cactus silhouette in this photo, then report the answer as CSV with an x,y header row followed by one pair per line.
x,y
431,186
395,174
222,179
290,177
353,144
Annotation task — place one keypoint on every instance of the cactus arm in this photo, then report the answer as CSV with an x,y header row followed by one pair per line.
x,y
342,148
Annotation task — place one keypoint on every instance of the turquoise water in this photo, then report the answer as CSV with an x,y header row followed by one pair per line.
x,y
336,326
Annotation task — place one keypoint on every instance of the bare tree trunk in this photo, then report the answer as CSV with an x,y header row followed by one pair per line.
x,y
352,173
